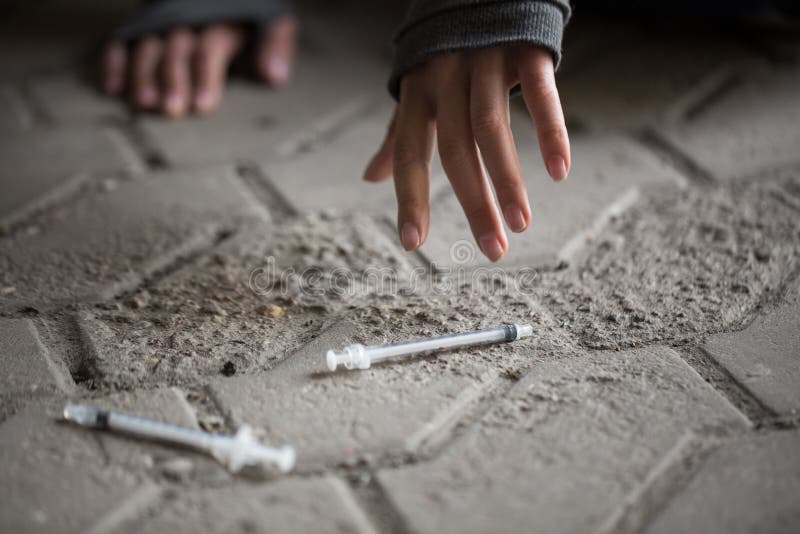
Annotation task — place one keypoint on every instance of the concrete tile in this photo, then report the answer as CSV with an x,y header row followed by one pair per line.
x,y
41,166
60,481
107,241
748,485
562,450
68,99
327,175
321,504
764,356
642,78
255,121
608,174
254,299
25,366
752,127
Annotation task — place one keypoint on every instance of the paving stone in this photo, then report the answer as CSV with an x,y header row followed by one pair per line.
x,y
646,79
752,127
564,448
254,121
68,99
328,174
60,482
15,117
608,174
41,166
256,298
25,366
647,281
322,504
749,485
163,404
764,356
390,409
108,240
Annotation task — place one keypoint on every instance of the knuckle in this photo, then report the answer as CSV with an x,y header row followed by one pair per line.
x,y
555,133
453,152
488,122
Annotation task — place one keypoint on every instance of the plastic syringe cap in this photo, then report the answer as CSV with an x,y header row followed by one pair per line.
x,y
331,360
524,330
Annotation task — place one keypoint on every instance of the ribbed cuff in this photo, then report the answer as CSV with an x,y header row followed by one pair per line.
x,y
475,26
163,15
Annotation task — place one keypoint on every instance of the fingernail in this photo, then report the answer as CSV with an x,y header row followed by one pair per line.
x,y
203,100
491,247
174,104
278,69
409,236
148,96
557,167
515,218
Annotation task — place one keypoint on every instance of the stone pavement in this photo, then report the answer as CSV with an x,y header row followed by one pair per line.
x,y
195,271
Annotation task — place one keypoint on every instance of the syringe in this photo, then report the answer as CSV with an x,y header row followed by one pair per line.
x,y
360,357
235,452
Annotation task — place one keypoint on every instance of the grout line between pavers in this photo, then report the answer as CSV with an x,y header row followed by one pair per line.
x,y
145,495
372,498
663,482
683,163
724,383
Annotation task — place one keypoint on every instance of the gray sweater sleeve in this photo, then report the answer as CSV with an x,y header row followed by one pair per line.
x,y
437,26
162,15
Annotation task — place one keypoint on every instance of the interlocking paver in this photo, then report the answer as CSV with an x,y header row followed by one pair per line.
x,y
108,240
164,404
60,482
608,174
339,418
563,449
66,98
254,120
15,116
257,297
40,166
321,504
26,367
764,356
640,80
328,175
649,281
749,485
751,128
388,409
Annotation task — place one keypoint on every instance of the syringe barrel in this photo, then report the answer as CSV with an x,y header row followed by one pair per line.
x,y
381,353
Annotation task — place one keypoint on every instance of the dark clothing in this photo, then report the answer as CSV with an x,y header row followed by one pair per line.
x,y
437,26
431,26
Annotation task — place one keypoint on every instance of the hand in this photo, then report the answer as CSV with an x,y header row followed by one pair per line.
x,y
185,70
462,99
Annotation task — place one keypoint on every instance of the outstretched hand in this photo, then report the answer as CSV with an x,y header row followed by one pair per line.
x,y
461,100
185,70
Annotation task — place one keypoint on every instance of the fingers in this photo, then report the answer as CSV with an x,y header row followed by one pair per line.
x,y
146,58
541,96
462,164
176,73
216,47
489,116
413,149
115,59
276,51
380,167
